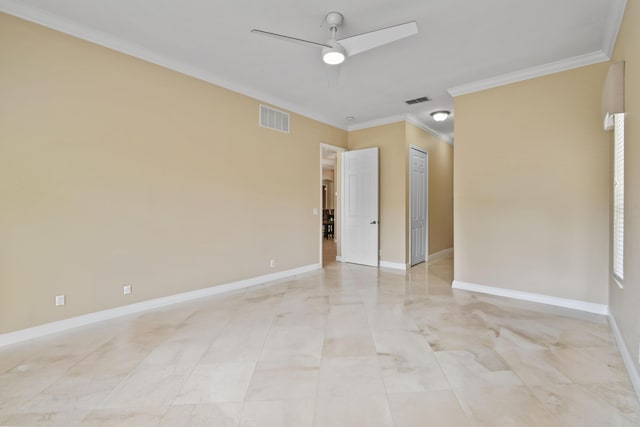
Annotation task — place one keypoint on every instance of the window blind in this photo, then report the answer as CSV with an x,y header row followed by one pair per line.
x,y
618,197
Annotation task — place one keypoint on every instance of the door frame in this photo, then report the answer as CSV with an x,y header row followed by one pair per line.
x,y
324,146
426,255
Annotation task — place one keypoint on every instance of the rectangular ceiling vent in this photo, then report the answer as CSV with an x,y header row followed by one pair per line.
x,y
274,119
418,100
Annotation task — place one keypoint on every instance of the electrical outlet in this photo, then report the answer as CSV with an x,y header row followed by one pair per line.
x,y
126,289
315,211
60,300
272,263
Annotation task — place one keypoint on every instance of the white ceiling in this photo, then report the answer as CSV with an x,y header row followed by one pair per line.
x,y
463,45
328,159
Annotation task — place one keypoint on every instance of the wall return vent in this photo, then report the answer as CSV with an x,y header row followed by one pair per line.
x,y
274,119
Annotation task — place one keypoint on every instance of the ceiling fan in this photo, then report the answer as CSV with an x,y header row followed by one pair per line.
x,y
334,52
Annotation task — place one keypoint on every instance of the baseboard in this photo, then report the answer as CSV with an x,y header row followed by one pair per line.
x,y
393,265
384,264
539,298
629,361
440,254
98,316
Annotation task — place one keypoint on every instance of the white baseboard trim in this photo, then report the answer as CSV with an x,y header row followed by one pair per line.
x,y
440,254
98,316
589,307
626,356
339,259
393,265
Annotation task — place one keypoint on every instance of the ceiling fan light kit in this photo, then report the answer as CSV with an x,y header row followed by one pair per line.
x,y
333,55
440,116
334,51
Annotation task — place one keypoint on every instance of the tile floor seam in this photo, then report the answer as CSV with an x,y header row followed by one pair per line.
x,y
453,390
325,325
244,401
386,391
193,368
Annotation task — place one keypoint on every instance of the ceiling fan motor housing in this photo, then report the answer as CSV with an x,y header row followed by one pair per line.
x,y
334,19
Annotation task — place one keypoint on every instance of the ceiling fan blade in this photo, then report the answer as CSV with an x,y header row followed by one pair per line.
x,y
363,42
289,39
333,75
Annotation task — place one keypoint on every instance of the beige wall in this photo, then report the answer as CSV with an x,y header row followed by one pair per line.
x,y
390,139
440,188
531,187
114,170
625,303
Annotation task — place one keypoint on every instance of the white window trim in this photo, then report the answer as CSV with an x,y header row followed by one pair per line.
x,y
618,201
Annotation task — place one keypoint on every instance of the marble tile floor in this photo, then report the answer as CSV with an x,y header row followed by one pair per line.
x,y
345,346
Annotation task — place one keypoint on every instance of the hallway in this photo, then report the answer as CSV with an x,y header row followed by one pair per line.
x,y
329,251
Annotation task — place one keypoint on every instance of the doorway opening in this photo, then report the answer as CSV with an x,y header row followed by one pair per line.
x,y
329,202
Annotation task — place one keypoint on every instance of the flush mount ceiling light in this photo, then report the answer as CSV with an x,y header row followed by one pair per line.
x,y
440,116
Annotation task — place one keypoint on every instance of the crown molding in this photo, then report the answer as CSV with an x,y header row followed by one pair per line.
x,y
395,119
54,22
414,121
74,29
530,73
612,27
377,122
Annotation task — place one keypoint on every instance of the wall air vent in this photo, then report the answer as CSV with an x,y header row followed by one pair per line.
x,y
274,119
418,100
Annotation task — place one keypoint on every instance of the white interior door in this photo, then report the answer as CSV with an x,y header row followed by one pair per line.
x,y
418,204
360,213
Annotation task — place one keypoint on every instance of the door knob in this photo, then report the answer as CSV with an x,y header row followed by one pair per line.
x,y
373,222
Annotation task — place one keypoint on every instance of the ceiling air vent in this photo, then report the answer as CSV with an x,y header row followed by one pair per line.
x,y
274,119
418,100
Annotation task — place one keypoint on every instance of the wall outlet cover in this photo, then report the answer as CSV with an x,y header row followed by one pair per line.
x,y
60,300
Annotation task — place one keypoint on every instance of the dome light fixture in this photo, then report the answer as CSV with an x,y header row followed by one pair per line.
x,y
333,55
440,116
